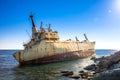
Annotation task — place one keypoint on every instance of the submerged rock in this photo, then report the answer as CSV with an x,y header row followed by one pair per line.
x,y
90,67
81,72
75,76
67,73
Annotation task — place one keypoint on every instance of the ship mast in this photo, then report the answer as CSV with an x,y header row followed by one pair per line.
x,y
34,29
31,17
49,27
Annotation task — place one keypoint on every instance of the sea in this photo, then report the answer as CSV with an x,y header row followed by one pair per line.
x,y
11,70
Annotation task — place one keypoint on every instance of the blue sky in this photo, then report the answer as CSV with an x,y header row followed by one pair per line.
x,y
99,19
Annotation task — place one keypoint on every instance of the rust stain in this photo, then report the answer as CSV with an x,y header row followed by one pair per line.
x,y
60,57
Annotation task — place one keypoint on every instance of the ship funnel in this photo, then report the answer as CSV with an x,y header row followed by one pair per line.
x,y
85,37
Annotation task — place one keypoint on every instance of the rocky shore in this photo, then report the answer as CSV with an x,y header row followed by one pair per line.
x,y
104,68
105,63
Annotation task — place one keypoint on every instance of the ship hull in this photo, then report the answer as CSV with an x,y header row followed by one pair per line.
x,y
59,57
49,51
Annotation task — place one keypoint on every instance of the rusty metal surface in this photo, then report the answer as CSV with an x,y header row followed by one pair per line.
x,y
49,49
60,57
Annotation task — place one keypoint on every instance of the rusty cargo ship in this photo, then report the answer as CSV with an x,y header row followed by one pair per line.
x,y
45,47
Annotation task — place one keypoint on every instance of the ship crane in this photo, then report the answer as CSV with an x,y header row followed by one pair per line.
x,y
76,38
86,37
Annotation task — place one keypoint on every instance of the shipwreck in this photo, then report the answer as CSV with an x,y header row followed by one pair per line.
x,y
45,46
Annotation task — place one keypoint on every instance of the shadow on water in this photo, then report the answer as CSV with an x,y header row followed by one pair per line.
x,y
10,69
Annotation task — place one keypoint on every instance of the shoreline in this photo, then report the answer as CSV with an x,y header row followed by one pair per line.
x,y
103,68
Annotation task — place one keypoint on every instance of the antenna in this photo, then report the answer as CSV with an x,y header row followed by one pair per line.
x,y
28,34
49,27
41,25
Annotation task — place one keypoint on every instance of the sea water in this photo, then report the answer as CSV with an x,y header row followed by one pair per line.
x,y
10,69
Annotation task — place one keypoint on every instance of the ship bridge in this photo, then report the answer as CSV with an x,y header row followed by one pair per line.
x,y
42,34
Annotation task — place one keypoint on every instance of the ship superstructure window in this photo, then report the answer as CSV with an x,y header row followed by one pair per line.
x,y
33,39
39,37
36,34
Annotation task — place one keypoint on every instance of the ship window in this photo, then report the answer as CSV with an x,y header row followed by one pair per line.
x,y
33,39
38,37
53,39
36,34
